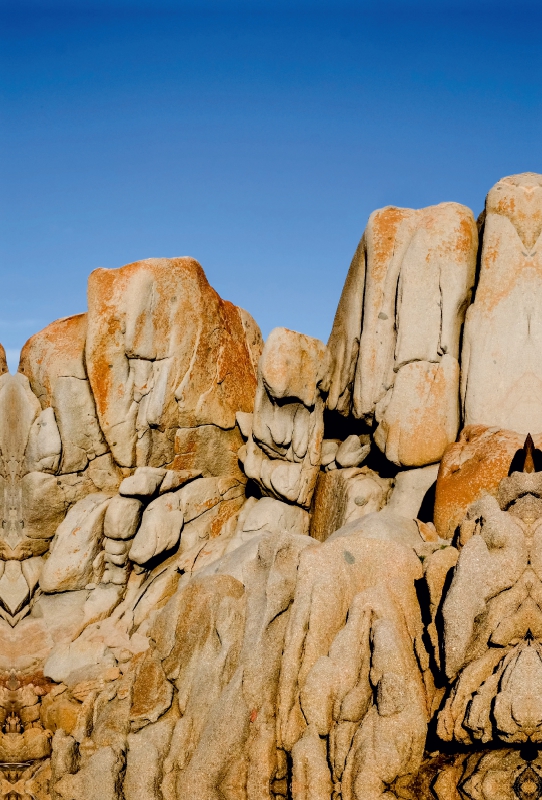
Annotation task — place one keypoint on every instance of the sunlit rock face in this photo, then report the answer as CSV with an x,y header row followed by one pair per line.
x,y
502,374
232,570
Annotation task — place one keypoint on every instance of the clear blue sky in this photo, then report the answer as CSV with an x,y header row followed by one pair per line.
x,y
255,136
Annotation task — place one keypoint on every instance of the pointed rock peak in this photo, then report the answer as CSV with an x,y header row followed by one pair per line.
x,y
528,450
527,180
519,197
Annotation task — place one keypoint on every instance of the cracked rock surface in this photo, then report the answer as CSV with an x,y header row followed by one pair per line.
x,y
237,570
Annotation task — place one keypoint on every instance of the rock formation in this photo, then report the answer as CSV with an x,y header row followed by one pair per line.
x,y
232,570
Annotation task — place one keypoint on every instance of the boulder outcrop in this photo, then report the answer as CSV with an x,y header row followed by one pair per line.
x,y
395,339
501,376
291,571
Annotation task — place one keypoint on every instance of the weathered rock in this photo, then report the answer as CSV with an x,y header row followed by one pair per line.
x,y
3,361
384,526
502,374
163,351
330,448
175,478
14,589
244,421
122,517
470,468
283,449
206,503
332,661
182,636
73,657
100,778
209,450
206,748
410,489
343,344
75,546
271,516
493,600
395,354
44,503
352,452
345,495
160,528
420,417
19,408
53,362
55,618
143,483
147,750
44,446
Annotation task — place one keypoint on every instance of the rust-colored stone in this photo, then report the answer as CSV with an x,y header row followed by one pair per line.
x,y
56,350
3,361
471,467
158,322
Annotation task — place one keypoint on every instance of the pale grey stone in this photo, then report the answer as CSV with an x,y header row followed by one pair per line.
x,y
122,517
160,528
44,503
244,420
44,444
14,589
19,407
352,452
75,411
31,569
143,483
410,488
147,750
67,657
382,525
329,451
75,546
274,516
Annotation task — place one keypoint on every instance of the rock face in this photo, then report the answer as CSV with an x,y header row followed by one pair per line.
x,y
502,374
395,339
237,571
285,440
163,353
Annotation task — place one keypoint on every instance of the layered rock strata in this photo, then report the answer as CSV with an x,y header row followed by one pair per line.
x,y
232,570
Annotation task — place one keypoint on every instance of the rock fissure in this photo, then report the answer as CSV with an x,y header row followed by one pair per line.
x,y
210,588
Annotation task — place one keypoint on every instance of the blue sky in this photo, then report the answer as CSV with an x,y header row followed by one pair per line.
x,y
256,136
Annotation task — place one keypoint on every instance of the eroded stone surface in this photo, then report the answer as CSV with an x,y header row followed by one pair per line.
x,y
501,366
395,352
163,351
242,572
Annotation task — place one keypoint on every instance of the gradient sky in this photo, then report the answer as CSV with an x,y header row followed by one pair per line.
x,y
255,136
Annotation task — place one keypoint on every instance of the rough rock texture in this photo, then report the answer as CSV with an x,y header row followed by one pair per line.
x,y
164,352
283,449
231,571
344,495
395,339
54,363
3,361
502,378
471,467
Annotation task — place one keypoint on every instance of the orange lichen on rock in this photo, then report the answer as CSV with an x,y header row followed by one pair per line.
x,y
57,350
422,416
501,373
53,360
3,361
414,270
470,468
164,351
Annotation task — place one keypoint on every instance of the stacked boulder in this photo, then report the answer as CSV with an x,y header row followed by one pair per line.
x,y
245,571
